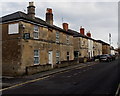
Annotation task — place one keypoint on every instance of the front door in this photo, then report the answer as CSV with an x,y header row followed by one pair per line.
x,y
50,58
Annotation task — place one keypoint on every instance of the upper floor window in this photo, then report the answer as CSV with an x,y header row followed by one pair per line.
x,y
57,37
36,32
13,28
67,38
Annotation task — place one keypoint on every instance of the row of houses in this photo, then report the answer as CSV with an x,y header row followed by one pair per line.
x,y
31,45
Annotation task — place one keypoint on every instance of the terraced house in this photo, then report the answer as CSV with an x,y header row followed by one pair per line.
x,y
80,45
105,47
31,45
97,48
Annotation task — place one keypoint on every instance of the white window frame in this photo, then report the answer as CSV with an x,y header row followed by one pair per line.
x,y
13,28
36,31
57,37
57,56
36,56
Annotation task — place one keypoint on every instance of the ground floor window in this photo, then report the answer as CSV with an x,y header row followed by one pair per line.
x,y
36,57
68,56
76,54
57,57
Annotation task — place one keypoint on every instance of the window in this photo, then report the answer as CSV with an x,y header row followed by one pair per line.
x,y
76,54
68,56
36,32
57,57
13,28
36,57
26,36
67,38
57,37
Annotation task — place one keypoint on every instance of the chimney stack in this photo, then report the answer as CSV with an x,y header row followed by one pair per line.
x,y
88,34
31,10
82,30
49,16
65,26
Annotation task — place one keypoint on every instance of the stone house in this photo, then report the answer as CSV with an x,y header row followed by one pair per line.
x,y
80,44
90,45
97,48
105,47
30,44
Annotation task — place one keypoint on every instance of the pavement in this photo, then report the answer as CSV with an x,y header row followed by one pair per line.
x,y
11,81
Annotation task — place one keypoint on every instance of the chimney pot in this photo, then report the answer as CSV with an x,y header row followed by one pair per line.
x,y
65,26
49,10
88,34
31,3
82,30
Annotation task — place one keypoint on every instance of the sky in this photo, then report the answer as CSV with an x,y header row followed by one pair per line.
x,y
100,17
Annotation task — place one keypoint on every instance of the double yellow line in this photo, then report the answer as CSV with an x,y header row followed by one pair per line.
x,y
31,81
41,78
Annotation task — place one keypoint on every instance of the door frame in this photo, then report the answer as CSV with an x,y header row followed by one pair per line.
x,y
50,56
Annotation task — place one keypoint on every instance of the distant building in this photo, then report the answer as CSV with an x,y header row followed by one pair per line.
x,y
105,47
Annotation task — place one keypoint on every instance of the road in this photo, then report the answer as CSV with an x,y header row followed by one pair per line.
x,y
101,78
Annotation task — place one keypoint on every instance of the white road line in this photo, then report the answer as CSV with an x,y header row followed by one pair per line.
x,y
69,76
75,74
118,89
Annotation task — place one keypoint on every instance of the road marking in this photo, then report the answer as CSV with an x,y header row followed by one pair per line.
x,y
79,72
75,74
69,76
31,81
91,68
118,89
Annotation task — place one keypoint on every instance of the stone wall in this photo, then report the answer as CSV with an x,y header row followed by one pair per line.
x,y
38,68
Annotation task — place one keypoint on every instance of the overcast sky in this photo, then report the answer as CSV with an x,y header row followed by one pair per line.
x,y
100,18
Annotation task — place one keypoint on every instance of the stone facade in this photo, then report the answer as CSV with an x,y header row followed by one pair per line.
x,y
106,49
31,45
97,48
81,46
18,53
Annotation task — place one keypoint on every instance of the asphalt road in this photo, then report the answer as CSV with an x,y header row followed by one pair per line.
x,y
101,78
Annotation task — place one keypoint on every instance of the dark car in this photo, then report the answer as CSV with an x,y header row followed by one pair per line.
x,y
105,57
113,57
96,57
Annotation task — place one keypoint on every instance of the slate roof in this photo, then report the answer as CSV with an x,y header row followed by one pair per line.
x,y
104,43
22,15
77,34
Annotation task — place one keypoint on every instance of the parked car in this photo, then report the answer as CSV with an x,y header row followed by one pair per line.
x,y
113,57
105,57
96,57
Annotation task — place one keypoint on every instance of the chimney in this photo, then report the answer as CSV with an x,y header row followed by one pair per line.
x,y
65,26
31,10
88,34
82,30
49,16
